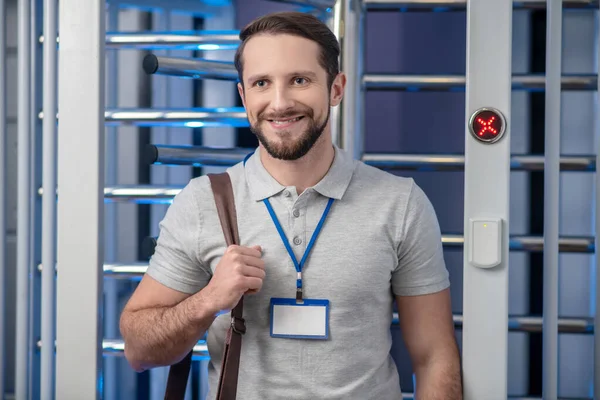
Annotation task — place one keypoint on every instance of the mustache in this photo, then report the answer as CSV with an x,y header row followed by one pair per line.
x,y
285,114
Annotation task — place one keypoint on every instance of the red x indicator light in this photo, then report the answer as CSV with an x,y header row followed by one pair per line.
x,y
487,125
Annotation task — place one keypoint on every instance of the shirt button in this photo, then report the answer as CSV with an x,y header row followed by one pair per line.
x,y
296,213
287,193
297,241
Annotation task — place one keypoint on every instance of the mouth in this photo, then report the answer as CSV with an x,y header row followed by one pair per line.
x,y
284,123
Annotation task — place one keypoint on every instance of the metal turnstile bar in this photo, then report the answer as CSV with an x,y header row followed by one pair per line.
x,y
140,194
200,40
450,162
532,324
587,82
196,155
190,68
191,155
136,193
460,5
188,117
566,244
320,4
197,8
117,348
125,271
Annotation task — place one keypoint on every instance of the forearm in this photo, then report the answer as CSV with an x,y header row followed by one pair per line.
x,y
439,379
164,335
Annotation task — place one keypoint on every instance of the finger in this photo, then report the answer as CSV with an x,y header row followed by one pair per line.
x,y
253,262
253,283
254,251
254,272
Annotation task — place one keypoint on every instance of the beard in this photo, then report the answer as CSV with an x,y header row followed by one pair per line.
x,y
290,148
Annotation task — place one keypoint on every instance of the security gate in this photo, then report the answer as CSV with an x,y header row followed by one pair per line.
x,y
85,268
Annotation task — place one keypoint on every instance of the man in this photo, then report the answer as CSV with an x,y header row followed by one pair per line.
x,y
378,242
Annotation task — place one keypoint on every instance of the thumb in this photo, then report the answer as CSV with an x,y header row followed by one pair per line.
x,y
257,247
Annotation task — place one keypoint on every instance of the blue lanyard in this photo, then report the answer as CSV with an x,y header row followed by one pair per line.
x,y
286,242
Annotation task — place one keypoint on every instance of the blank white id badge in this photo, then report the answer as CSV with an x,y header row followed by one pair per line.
x,y
306,320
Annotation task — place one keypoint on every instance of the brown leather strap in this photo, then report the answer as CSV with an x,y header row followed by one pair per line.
x,y
178,376
178,373
223,193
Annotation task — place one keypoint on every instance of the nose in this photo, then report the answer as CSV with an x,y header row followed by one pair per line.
x,y
282,98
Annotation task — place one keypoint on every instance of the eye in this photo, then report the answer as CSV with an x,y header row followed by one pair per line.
x,y
300,80
260,83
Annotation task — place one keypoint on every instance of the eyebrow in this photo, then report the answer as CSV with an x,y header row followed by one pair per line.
x,y
259,77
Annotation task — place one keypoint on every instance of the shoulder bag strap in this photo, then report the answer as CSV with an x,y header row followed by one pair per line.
x,y
223,192
178,373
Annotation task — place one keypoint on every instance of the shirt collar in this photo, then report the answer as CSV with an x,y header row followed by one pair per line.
x,y
333,185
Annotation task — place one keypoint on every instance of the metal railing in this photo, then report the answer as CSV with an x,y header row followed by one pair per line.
x,y
572,82
204,155
189,68
460,5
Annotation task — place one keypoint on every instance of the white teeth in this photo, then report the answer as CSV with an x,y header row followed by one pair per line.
x,y
286,121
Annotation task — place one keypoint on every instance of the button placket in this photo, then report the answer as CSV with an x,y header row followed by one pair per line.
x,y
298,227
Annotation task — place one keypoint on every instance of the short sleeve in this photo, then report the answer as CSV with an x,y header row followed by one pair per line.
x,y
421,268
175,262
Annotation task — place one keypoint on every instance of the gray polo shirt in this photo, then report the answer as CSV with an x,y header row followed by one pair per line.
x,y
381,238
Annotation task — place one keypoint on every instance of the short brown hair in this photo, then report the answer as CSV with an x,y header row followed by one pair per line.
x,y
294,23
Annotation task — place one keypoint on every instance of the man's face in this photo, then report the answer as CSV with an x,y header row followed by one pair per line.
x,y
285,94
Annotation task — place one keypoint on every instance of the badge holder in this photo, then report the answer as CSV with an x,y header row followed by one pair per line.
x,y
307,319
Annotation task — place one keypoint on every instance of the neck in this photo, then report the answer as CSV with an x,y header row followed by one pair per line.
x,y
304,172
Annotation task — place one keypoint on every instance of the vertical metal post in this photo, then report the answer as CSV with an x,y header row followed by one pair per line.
x,y
351,10
22,359
487,188
552,197
111,301
335,23
596,286
35,202
80,212
359,111
3,193
49,202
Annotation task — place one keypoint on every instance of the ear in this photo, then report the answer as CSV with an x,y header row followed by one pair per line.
x,y
337,89
241,92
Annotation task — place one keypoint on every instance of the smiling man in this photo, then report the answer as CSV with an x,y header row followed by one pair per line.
x,y
328,244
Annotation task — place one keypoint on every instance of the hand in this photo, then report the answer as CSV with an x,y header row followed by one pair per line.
x,y
240,271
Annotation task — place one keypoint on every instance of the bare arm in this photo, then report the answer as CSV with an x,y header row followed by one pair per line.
x,y
428,331
161,325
